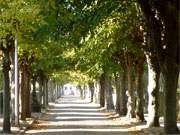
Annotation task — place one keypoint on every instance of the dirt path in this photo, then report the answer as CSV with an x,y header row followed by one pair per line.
x,y
71,116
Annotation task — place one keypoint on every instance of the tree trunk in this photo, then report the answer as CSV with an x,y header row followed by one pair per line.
x,y
25,88
41,88
118,94
108,95
1,102
102,91
153,41
161,95
170,64
46,92
153,91
81,92
97,92
12,83
168,50
84,91
91,87
170,79
178,106
28,96
6,96
121,107
35,106
123,96
130,93
40,91
55,91
15,84
140,91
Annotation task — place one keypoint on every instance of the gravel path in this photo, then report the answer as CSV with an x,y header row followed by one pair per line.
x,y
72,116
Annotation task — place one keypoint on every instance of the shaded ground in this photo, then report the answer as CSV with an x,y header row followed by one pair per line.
x,y
72,116
17,129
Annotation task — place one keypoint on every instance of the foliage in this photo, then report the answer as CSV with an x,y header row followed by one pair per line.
x,y
113,36
20,16
71,36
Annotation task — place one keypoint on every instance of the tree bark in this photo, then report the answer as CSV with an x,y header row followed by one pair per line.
x,y
97,92
118,94
41,87
25,87
46,92
91,87
168,47
102,91
130,93
170,79
178,106
81,92
139,67
12,83
123,101
108,95
84,91
23,90
35,104
40,91
170,62
6,96
28,95
153,91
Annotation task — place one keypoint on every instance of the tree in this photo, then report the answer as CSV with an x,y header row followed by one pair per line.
x,y
15,20
164,24
102,92
139,68
118,94
35,106
91,87
6,68
25,63
108,92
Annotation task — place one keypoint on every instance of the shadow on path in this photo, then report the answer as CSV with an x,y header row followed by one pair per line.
x,y
72,116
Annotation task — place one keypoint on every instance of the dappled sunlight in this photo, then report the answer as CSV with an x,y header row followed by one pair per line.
x,y
79,130
76,109
81,118
14,129
79,123
77,113
77,116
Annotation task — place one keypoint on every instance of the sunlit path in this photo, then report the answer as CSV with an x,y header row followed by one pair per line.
x,y
72,116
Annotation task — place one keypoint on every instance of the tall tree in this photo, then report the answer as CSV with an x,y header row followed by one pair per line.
x,y
108,92
118,94
102,91
162,21
91,87
6,47
25,85
123,83
139,68
131,92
